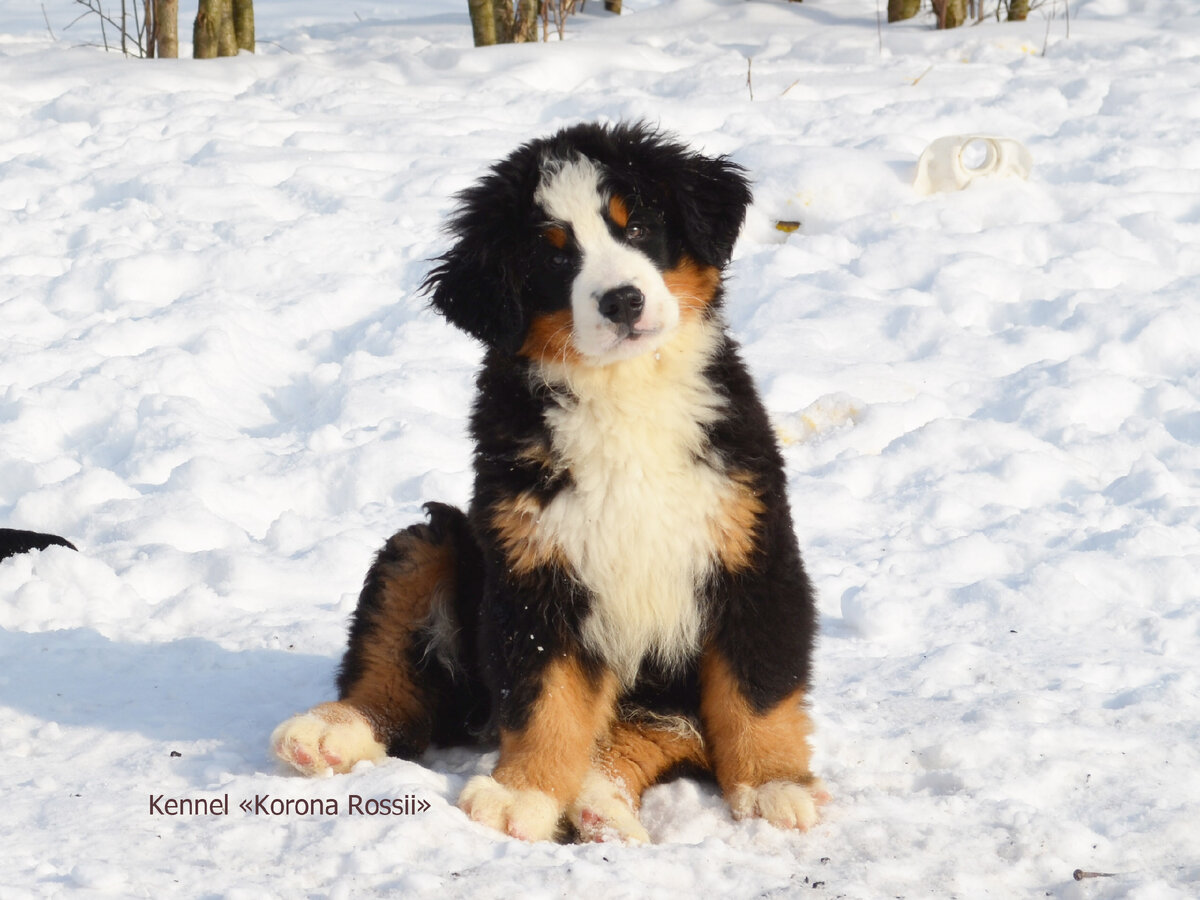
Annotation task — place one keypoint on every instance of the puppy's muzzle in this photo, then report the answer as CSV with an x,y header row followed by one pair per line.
x,y
622,305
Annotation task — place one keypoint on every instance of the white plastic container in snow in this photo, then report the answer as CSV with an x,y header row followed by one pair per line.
x,y
951,163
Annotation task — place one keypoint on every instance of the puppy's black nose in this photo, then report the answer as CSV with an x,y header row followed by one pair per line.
x,y
623,304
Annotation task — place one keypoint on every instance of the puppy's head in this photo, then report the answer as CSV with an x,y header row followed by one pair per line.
x,y
590,246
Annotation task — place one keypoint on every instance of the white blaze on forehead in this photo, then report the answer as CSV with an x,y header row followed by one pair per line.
x,y
570,193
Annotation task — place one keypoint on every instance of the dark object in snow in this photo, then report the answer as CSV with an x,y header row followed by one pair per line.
x,y
1080,875
13,541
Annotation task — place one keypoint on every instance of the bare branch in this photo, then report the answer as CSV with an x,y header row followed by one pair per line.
x,y
48,28
95,8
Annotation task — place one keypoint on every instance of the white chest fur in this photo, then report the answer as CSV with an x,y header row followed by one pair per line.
x,y
636,523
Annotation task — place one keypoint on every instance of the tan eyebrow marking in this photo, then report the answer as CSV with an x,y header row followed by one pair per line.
x,y
556,236
618,211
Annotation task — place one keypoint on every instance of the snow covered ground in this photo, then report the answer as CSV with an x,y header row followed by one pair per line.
x,y
218,380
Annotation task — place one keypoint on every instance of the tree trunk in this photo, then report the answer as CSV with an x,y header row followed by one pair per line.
x,y
524,28
950,13
204,31
1018,10
213,34
613,6
243,24
166,29
483,22
502,10
227,44
496,21
902,9
148,26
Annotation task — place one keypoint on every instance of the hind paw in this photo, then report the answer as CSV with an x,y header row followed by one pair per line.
x,y
603,812
332,737
785,804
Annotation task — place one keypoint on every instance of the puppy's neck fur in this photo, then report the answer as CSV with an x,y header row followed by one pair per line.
x,y
636,520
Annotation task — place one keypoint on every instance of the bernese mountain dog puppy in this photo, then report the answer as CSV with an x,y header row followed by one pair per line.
x,y
625,597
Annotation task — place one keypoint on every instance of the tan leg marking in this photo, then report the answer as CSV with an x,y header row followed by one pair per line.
x,y
761,760
331,737
525,547
635,756
385,693
538,453
542,766
639,754
735,527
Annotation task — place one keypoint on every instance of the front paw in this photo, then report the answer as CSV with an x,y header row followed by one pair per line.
x,y
603,812
529,815
785,804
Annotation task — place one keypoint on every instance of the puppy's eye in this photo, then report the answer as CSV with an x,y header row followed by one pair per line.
x,y
634,232
558,260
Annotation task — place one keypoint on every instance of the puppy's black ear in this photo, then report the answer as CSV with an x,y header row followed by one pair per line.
x,y
712,196
477,284
476,293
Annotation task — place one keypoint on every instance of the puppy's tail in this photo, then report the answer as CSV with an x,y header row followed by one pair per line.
x,y
410,674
